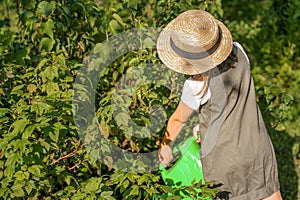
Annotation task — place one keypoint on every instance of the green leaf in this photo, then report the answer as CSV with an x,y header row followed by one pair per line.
x,y
45,144
107,195
42,63
115,75
134,3
122,119
29,187
20,144
132,176
54,135
4,111
18,190
79,196
143,179
47,44
20,175
31,88
39,107
153,95
4,192
12,159
174,198
119,19
165,100
19,126
46,8
166,189
35,169
148,43
114,26
125,184
70,189
134,191
50,88
59,126
92,185
47,28
208,192
11,164
104,49
49,73
287,98
17,90
60,60
68,180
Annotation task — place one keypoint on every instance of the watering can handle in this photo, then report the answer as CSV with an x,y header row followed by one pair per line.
x,y
177,154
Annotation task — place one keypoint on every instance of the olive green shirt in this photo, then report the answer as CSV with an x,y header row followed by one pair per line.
x,y
236,150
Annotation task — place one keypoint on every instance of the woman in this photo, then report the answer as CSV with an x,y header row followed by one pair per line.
x,y
236,150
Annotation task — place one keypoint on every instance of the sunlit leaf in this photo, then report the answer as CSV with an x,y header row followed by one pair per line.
x,y
46,8
17,189
47,28
47,44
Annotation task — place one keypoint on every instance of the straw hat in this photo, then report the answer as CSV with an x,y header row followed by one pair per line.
x,y
194,42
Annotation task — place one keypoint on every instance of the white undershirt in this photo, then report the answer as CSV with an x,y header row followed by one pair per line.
x,y
190,94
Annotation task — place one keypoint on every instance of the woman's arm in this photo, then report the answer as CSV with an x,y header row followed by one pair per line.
x,y
174,126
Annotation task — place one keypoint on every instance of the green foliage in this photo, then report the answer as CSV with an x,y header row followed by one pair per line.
x,y
44,43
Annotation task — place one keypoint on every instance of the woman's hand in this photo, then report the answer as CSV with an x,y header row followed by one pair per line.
x,y
196,133
165,154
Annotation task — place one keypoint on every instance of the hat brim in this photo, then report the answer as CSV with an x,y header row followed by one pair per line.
x,y
191,67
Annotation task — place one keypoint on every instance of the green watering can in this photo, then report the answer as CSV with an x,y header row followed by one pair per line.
x,y
187,168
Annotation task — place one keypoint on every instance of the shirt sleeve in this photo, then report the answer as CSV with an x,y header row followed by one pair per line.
x,y
190,94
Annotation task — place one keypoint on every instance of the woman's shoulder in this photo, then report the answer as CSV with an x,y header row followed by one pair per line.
x,y
240,47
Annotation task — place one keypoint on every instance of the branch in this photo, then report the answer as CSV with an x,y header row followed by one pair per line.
x,y
65,156
76,165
